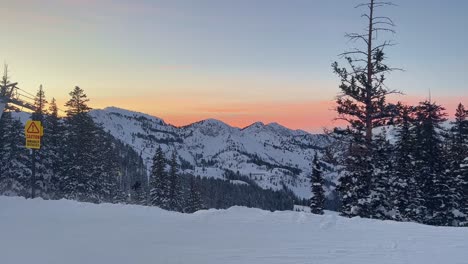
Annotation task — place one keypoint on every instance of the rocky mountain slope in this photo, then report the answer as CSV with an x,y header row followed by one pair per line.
x,y
271,155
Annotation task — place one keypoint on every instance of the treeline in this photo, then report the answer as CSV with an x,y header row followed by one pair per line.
x,y
78,160
418,174
422,174
171,190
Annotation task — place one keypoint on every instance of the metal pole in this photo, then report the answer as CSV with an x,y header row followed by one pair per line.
x,y
33,175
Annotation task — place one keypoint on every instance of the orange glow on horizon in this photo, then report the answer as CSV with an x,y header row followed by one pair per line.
x,y
312,116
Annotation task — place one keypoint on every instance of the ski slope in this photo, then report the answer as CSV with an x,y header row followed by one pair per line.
x,y
67,232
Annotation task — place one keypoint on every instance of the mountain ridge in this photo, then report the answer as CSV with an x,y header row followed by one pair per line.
x,y
271,155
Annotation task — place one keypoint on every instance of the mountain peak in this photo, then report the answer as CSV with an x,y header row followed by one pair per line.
x,y
130,113
255,126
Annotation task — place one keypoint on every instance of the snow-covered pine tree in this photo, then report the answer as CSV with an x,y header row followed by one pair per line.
x,y
355,179
405,193
106,169
175,195
43,172
458,156
15,161
430,164
379,203
362,103
158,181
317,200
78,182
52,149
193,200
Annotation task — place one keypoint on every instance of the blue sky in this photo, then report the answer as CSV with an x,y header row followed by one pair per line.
x,y
210,54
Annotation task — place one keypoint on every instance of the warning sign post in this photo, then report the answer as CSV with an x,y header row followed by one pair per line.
x,y
33,131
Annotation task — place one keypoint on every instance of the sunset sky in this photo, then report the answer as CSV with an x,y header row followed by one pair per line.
x,y
239,61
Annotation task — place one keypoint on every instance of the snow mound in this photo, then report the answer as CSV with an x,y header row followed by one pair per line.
x,y
57,232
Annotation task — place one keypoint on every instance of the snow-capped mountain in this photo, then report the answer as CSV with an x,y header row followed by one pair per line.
x,y
271,155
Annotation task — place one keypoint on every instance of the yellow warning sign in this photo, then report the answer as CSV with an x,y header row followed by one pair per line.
x,y
33,143
33,127
33,131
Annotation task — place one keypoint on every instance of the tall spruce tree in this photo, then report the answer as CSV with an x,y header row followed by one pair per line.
x,y
42,169
175,195
458,156
317,200
355,181
405,192
158,181
15,161
52,150
430,165
362,103
78,182
106,169
380,206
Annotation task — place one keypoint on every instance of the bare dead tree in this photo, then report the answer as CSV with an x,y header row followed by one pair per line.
x,y
362,101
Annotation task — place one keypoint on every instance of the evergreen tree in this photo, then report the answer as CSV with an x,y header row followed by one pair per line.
x,y
158,182
405,192
318,195
175,195
106,169
15,161
438,200
52,149
356,177
193,201
458,156
78,182
362,103
380,206
42,175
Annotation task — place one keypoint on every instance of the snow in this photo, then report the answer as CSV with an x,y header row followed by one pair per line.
x,y
58,232
211,147
238,182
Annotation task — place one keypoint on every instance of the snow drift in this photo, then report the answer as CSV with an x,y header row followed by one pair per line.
x,y
59,232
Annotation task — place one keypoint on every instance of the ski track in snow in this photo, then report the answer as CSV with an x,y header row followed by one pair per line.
x,y
68,232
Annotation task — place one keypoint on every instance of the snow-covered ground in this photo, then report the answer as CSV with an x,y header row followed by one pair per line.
x,y
67,232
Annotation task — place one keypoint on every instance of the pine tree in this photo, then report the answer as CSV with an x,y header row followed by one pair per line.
x,y
405,192
430,165
175,196
106,170
458,156
78,182
380,206
15,161
52,150
158,182
43,173
318,195
362,103
193,202
355,180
